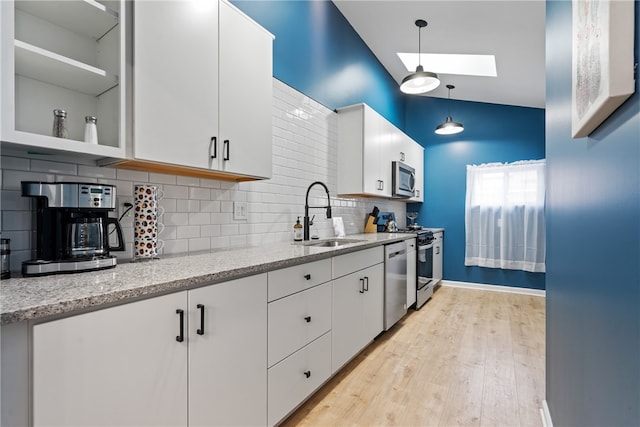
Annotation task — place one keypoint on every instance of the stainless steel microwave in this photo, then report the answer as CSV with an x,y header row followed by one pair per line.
x,y
403,179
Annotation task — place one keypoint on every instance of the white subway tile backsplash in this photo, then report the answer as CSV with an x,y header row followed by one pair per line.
x,y
175,192
176,246
54,167
175,218
129,175
16,221
198,213
160,178
199,218
15,163
187,231
11,178
189,181
96,172
199,244
199,193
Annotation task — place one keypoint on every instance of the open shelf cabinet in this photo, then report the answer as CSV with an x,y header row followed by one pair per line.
x,y
63,54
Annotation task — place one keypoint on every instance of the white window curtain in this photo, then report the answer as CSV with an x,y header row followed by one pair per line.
x,y
504,216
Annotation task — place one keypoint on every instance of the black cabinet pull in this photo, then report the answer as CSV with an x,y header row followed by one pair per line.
x,y
307,319
366,286
361,285
201,330
307,374
307,276
180,337
226,150
214,142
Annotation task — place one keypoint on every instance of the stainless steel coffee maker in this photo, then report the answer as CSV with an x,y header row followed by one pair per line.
x,y
72,227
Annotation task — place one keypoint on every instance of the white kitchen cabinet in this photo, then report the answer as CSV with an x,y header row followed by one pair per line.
x,y
297,320
119,366
295,378
70,55
228,361
413,154
367,144
362,148
287,281
412,276
203,88
358,304
299,330
127,366
438,246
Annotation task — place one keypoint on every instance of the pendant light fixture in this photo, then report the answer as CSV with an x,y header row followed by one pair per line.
x,y
449,127
421,81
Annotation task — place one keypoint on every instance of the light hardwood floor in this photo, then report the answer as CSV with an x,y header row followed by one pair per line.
x,y
467,358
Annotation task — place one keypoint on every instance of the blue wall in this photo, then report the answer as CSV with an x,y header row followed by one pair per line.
x,y
593,250
318,53
493,133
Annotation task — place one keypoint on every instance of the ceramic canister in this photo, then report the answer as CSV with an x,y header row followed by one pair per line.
x,y
146,225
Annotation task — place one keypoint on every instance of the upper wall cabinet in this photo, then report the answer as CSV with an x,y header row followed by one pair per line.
x,y
367,144
202,89
67,55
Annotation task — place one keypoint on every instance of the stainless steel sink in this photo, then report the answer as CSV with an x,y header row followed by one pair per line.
x,y
333,243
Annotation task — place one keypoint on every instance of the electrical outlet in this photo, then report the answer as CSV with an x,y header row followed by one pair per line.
x,y
239,210
125,203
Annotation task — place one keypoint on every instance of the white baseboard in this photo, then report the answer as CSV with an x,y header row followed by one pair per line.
x,y
546,416
495,288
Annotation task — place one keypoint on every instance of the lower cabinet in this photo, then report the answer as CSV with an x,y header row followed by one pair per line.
x,y
295,378
358,305
190,358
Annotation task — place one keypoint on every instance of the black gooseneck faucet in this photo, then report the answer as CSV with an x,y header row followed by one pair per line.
x,y
307,207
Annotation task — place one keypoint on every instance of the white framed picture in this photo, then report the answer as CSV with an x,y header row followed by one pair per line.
x,y
602,61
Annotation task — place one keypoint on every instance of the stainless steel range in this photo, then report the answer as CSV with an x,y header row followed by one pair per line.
x,y
424,265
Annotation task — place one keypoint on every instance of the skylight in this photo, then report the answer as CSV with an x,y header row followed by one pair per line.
x,y
445,63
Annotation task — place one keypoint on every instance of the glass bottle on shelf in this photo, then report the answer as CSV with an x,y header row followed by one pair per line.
x,y
90,130
59,124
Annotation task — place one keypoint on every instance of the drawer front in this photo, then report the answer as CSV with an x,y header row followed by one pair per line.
x,y
298,278
354,261
297,320
298,376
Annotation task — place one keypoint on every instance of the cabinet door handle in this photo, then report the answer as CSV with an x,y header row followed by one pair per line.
x,y
401,156
362,285
201,330
180,337
307,319
366,286
307,374
437,250
381,184
226,150
214,142
307,276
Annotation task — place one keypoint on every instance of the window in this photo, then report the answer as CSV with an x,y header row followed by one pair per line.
x,y
504,216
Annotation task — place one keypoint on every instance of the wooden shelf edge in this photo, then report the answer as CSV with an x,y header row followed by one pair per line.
x,y
146,166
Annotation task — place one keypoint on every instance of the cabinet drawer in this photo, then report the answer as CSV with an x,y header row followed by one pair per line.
x,y
298,319
298,278
348,263
296,377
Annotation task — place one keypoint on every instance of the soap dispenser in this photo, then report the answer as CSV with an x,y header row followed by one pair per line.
x,y
297,231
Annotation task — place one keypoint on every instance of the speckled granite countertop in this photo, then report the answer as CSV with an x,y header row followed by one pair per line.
x,y
37,297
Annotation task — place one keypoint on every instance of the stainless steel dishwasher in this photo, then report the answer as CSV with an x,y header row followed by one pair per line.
x,y
395,283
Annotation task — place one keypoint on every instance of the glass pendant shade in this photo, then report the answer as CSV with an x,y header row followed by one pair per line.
x,y
420,82
449,127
